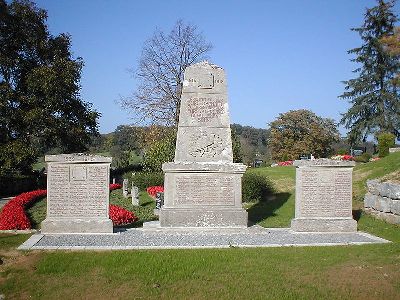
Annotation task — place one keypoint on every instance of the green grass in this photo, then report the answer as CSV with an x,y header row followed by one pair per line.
x,y
342,272
371,170
279,211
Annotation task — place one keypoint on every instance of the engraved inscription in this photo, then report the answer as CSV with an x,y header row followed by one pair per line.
x,y
206,81
204,109
78,172
204,190
205,145
325,193
79,191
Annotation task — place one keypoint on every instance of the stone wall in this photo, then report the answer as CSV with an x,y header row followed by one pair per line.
x,y
383,200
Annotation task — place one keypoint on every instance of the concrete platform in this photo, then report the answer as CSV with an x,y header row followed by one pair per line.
x,y
153,237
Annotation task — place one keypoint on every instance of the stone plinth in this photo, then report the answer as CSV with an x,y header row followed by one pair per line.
x,y
77,194
203,195
324,196
202,186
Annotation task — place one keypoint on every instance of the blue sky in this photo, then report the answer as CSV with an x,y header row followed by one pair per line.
x,y
278,55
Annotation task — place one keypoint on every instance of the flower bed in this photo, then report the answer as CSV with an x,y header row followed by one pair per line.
x,y
121,216
285,163
13,215
342,157
153,190
115,186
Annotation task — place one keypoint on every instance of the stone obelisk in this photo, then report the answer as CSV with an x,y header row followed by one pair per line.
x,y
203,185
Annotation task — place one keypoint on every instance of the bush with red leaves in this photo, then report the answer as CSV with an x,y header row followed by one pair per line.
x,y
121,216
13,214
115,186
285,163
153,190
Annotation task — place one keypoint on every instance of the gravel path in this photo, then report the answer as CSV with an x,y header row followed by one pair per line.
x,y
139,238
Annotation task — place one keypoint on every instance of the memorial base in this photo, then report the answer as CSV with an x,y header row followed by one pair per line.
x,y
76,226
324,225
204,217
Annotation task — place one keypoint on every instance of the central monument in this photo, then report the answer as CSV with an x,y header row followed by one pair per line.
x,y
203,187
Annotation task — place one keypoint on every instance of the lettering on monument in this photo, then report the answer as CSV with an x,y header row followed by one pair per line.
x,y
325,193
206,81
205,145
202,189
204,109
78,190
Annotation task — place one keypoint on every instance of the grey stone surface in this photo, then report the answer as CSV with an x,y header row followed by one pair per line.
x,y
135,195
388,217
395,207
382,204
77,194
389,190
324,162
382,200
77,158
125,191
202,186
370,200
372,185
393,150
155,237
324,225
324,196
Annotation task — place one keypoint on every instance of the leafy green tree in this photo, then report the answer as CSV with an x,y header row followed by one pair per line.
x,y
374,99
40,105
253,142
299,132
385,141
236,147
158,153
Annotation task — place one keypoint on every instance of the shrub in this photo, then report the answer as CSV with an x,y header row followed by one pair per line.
x,y
145,179
153,190
121,216
13,214
158,153
255,187
385,141
365,157
342,151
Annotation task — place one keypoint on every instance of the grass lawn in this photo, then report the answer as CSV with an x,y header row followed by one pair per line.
x,y
339,272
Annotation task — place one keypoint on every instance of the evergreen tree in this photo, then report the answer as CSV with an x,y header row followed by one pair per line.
x,y
373,96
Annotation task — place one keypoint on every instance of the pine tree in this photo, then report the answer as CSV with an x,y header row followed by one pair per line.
x,y
373,96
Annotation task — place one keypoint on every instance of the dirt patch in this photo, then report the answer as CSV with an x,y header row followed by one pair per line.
x,y
363,281
284,185
14,259
359,175
392,177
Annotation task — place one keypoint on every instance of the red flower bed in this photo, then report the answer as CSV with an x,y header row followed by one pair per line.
x,y
13,214
347,157
153,190
115,186
285,163
121,216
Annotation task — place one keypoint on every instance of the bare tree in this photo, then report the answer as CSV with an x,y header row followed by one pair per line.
x,y
160,73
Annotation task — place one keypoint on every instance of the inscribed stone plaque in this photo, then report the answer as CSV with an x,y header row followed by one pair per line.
x,y
78,194
204,189
323,196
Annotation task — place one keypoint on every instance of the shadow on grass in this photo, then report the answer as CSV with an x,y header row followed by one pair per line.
x,y
357,214
262,210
